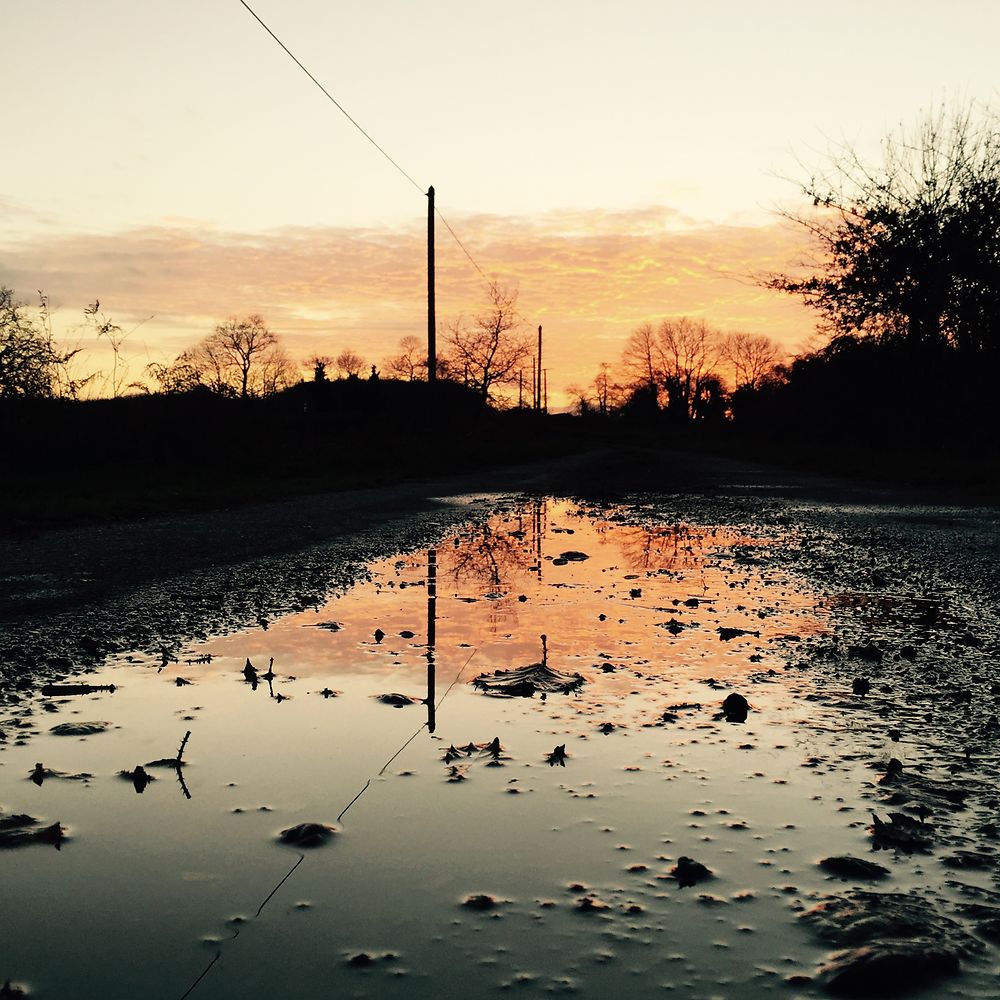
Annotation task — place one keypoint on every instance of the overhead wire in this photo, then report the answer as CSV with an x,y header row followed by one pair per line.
x,y
340,107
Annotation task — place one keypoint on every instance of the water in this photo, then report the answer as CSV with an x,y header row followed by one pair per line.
x,y
152,891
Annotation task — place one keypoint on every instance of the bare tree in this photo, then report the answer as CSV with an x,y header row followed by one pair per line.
x,y
688,356
640,360
241,357
489,353
411,361
751,357
349,364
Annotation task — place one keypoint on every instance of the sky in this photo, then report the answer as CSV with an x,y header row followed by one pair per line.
x,y
615,162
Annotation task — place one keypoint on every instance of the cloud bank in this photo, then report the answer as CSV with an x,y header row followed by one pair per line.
x,y
588,277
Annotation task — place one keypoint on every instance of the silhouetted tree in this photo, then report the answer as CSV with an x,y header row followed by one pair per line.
x,y
31,363
641,360
910,249
751,357
411,361
689,353
241,357
319,363
489,353
181,375
349,364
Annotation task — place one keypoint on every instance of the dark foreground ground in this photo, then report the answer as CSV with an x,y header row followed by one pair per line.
x,y
54,568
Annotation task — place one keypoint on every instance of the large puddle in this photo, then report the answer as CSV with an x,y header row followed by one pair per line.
x,y
470,854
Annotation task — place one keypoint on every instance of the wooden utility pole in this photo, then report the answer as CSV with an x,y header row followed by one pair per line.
x,y
431,319
538,390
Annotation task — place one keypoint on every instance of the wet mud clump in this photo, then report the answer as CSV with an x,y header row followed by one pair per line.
x,y
79,728
845,866
23,830
689,872
735,708
307,835
397,700
892,943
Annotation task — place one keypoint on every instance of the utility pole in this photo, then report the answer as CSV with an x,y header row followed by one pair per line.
x,y
538,391
431,319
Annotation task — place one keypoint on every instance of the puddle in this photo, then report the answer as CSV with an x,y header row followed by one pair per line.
x,y
332,805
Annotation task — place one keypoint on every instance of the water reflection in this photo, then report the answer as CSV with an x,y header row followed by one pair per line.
x,y
431,636
543,779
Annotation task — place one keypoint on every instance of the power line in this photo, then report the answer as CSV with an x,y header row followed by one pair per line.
x,y
454,236
333,100
340,107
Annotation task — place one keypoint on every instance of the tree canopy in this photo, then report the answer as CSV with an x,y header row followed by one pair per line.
x,y
909,250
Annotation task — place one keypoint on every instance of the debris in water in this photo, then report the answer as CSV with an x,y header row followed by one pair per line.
x,y
22,830
735,708
330,693
481,901
140,778
901,832
40,772
894,943
523,682
689,872
725,634
307,835
845,866
591,904
397,700
79,728
64,690
557,756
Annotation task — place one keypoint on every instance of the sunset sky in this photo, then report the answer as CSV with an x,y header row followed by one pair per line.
x,y
615,162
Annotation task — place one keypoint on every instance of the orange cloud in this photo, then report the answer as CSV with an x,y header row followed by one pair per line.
x,y
588,277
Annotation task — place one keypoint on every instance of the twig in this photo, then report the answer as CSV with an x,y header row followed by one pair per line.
x,y
180,752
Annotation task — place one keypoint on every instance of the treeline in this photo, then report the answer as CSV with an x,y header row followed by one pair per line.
x,y
244,358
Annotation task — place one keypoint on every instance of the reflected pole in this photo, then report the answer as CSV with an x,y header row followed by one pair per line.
x,y
431,318
431,635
